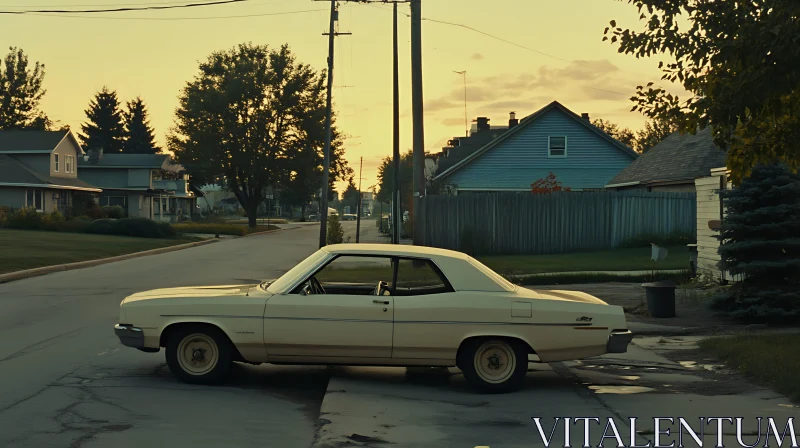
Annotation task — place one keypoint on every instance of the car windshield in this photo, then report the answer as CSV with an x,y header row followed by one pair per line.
x,y
295,274
499,279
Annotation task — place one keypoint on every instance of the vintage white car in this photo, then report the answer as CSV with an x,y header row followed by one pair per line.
x,y
376,305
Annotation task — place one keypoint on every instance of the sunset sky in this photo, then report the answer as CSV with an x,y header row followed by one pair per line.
x,y
152,55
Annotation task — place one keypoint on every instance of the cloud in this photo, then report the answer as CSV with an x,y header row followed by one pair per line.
x,y
477,57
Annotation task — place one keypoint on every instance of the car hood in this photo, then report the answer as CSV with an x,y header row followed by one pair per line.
x,y
570,296
192,291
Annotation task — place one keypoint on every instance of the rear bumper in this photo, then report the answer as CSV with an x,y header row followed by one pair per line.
x,y
618,341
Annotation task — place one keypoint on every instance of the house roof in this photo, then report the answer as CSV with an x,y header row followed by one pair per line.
x,y
16,173
678,157
153,161
468,145
33,141
527,121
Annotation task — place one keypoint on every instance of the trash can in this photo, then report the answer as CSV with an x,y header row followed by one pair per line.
x,y
660,298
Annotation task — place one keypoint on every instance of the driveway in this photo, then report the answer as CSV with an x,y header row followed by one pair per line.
x,y
65,381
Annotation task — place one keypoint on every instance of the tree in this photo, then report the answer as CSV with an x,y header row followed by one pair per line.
x,y
623,135
139,135
20,93
547,185
105,126
335,231
351,197
738,61
386,179
654,132
760,238
254,116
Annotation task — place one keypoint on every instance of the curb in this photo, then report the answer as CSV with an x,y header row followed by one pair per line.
x,y
261,233
27,273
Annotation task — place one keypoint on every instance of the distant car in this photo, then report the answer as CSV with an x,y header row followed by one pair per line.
x,y
373,304
349,217
312,217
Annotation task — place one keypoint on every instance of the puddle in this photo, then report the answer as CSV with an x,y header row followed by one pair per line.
x,y
688,364
787,405
620,390
630,377
709,367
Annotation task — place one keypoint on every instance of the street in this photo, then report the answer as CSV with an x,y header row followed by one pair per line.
x,y
67,381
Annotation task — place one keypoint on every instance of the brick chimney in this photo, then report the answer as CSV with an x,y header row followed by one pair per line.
x,y
512,120
483,124
585,116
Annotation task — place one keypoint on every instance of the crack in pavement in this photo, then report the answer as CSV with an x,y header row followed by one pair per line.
x,y
42,344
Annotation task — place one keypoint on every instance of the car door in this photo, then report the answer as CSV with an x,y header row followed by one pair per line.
x,y
426,313
348,322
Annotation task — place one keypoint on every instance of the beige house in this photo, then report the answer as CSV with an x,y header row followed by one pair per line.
x,y
40,169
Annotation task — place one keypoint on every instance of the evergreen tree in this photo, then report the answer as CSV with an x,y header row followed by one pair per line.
x,y
335,231
139,135
105,128
21,91
760,239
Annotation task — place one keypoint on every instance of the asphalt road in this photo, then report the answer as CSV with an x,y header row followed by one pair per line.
x,y
65,381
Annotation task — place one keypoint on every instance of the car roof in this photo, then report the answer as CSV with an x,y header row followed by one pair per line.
x,y
394,249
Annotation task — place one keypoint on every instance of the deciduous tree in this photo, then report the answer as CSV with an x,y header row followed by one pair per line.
x,y
21,90
248,116
547,185
738,61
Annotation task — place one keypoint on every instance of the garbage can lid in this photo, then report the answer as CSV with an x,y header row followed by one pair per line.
x,y
661,284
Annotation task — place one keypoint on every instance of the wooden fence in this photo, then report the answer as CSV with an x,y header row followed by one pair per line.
x,y
522,223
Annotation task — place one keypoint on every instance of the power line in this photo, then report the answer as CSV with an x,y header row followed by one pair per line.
x,y
180,18
125,9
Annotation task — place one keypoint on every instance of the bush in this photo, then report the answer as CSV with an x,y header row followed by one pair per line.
x,y
138,227
94,212
26,218
335,231
4,212
672,239
113,211
211,228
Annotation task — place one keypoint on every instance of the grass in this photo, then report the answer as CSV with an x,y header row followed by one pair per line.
x,y
222,229
259,220
770,359
27,249
624,259
576,279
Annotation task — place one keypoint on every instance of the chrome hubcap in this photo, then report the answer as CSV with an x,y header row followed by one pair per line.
x,y
198,354
495,362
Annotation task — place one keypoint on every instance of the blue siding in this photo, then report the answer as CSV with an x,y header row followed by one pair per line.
x,y
516,163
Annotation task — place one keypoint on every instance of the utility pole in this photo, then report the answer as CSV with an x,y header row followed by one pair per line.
x,y
360,201
418,119
397,210
323,224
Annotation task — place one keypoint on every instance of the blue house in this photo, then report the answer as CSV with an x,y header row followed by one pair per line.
x,y
553,139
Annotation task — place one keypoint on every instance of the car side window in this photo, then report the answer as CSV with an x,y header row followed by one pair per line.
x,y
356,275
420,277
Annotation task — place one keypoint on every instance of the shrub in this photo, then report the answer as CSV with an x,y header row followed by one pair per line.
x,y
4,212
26,218
335,231
52,221
759,240
672,239
113,211
138,227
211,228
94,212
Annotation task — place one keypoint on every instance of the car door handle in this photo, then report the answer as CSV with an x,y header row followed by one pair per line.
x,y
381,302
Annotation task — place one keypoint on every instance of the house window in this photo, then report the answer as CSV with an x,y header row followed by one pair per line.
x,y
112,201
35,198
55,162
69,164
557,147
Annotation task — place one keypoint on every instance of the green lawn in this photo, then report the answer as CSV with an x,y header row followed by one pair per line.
x,y
628,259
770,359
27,249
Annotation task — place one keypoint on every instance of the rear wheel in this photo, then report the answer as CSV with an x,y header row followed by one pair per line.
x,y
199,354
494,365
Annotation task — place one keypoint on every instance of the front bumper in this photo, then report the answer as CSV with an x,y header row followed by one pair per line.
x,y
131,336
618,341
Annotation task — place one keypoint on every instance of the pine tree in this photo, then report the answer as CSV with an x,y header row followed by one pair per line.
x,y
139,135
335,231
760,239
105,128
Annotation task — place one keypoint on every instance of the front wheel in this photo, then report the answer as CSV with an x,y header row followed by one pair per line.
x,y
199,354
494,365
